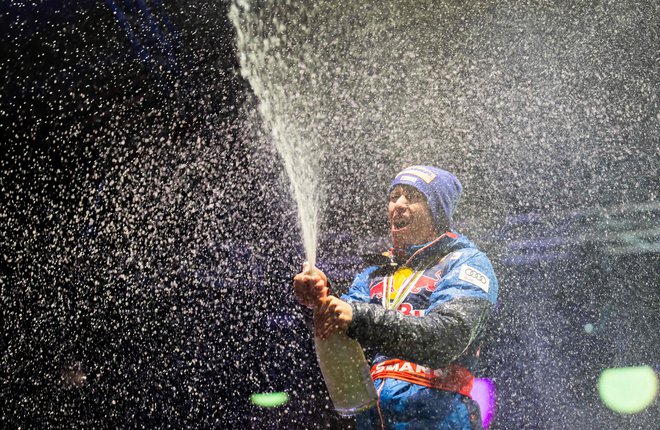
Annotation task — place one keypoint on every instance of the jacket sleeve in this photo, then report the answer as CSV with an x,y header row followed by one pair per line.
x,y
458,311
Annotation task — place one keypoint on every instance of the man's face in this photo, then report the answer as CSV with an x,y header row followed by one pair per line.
x,y
410,218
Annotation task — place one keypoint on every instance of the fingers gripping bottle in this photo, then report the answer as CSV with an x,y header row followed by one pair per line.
x,y
346,373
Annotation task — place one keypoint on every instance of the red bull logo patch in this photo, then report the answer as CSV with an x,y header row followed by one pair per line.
x,y
424,283
377,290
407,309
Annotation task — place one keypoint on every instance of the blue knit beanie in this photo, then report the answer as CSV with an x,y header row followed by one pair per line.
x,y
441,188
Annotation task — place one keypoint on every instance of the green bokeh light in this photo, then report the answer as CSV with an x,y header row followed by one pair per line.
x,y
628,390
269,400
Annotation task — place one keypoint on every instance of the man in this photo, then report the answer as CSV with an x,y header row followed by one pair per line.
x,y
422,306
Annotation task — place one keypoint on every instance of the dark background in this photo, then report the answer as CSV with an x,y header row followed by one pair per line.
x,y
149,246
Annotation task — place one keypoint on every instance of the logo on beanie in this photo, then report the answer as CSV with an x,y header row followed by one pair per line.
x,y
421,173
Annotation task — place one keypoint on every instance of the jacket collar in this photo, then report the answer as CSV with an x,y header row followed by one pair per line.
x,y
416,255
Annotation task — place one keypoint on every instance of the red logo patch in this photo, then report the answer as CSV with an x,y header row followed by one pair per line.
x,y
377,290
423,283
407,309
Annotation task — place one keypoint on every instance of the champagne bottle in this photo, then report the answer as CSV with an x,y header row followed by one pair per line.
x,y
346,373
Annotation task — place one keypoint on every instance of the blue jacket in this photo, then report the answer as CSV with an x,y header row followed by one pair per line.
x,y
436,325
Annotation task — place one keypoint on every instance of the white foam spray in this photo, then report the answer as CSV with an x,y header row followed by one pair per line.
x,y
261,42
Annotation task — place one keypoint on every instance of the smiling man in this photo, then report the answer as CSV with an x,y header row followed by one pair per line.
x,y
421,306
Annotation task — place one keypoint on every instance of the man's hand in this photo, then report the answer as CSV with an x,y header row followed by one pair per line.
x,y
310,288
333,315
